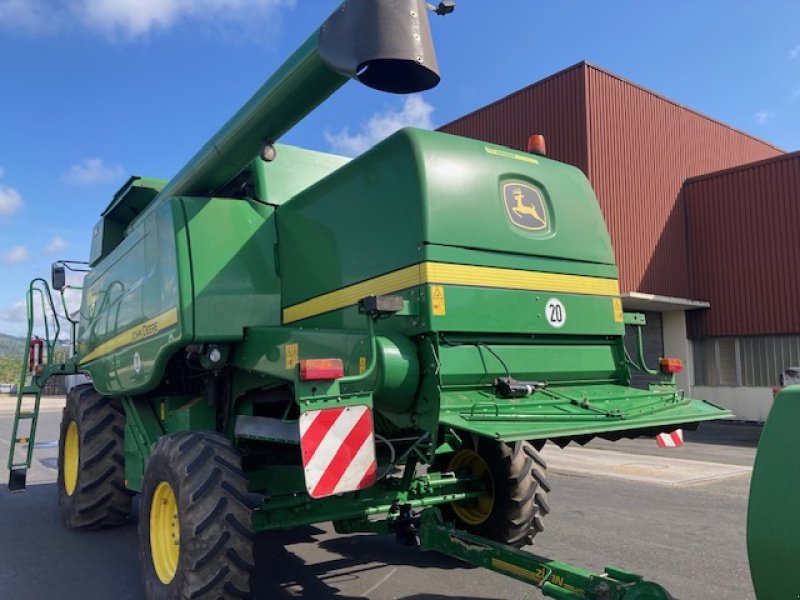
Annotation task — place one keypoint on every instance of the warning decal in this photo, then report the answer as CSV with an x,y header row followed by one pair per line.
x,y
338,449
437,296
674,439
292,352
618,315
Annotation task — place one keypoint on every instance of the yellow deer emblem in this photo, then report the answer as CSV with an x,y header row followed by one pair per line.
x,y
525,209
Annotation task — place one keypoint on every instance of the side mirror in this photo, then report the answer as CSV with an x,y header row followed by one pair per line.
x,y
58,276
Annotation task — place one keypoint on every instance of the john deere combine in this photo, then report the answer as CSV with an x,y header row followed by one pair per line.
x,y
278,337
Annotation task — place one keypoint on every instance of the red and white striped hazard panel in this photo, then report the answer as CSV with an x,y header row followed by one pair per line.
x,y
338,447
673,439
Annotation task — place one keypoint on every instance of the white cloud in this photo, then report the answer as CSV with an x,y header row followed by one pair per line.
x,y
17,254
93,171
130,19
416,112
794,52
56,245
763,117
33,16
16,312
10,200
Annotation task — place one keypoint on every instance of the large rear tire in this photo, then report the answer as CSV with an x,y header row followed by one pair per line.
x,y
91,461
195,531
515,502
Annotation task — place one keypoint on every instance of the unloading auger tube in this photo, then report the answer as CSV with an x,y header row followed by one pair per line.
x,y
384,44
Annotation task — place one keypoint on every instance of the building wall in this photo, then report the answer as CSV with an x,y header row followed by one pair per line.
x,y
642,147
743,227
554,107
747,403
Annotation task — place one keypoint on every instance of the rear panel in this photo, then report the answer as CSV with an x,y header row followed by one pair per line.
x,y
496,236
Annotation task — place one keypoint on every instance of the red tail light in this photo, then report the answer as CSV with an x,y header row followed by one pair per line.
x,y
670,366
321,369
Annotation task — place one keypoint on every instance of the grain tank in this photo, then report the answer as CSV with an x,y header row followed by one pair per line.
x,y
278,337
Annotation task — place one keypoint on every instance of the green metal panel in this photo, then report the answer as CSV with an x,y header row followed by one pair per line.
x,y
477,309
142,430
589,360
464,182
362,221
569,411
232,245
292,171
773,530
181,413
419,188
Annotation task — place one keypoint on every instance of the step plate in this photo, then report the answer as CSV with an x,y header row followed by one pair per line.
x,y
17,479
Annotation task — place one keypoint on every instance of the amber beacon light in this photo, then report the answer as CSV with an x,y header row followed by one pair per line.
x,y
537,145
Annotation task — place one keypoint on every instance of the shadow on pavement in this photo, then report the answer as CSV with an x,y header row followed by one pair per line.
x,y
42,559
342,560
723,433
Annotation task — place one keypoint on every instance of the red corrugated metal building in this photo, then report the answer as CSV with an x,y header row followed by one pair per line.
x,y
743,227
638,148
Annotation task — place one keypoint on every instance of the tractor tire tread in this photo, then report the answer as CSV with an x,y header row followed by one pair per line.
x,y
217,558
100,498
520,491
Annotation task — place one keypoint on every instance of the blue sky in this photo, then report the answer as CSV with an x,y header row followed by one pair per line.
x,y
92,91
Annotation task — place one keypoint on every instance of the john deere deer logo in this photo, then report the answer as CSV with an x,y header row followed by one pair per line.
x,y
525,206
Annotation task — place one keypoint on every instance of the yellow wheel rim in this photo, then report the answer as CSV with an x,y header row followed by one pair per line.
x,y
165,532
71,456
475,510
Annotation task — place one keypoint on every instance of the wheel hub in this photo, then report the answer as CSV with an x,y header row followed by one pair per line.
x,y
71,458
474,511
165,532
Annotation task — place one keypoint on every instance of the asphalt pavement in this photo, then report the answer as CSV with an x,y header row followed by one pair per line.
x,y
609,507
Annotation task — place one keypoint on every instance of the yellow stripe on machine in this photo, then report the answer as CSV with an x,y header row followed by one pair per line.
x,y
141,332
536,577
451,274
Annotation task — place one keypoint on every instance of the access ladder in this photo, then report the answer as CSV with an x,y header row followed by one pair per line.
x,y
34,373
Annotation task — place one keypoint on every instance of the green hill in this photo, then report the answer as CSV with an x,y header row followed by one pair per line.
x,y
11,346
9,370
12,350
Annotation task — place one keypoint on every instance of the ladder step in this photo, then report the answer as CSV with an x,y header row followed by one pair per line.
x,y
17,477
30,390
26,415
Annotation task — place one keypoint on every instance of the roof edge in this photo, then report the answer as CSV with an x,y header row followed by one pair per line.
x,y
679,105
745,167
582,64
585,64
656,302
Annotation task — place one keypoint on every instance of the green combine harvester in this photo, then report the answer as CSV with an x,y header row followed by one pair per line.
x,y
278,337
